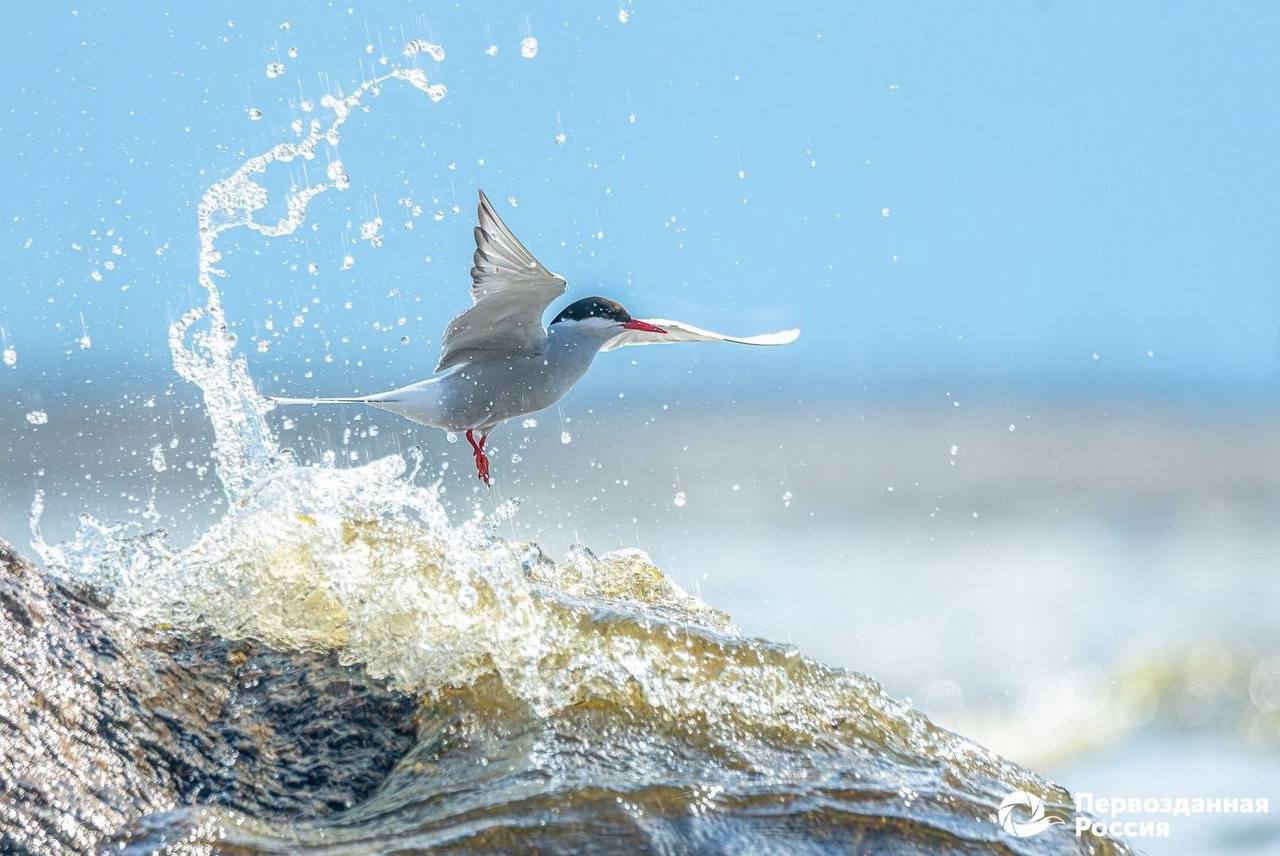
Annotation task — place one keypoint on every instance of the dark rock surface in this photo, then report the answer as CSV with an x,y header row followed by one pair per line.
x,y
101,722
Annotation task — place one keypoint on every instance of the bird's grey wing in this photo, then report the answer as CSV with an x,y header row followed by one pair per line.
x,y
510,290
678,331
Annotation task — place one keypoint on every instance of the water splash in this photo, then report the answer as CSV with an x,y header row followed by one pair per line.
x,y
364,562
245,451
113,559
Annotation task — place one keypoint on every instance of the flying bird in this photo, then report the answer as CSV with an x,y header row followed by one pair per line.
x,y
497,361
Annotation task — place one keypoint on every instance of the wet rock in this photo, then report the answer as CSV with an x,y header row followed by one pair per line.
x,y
137,741
101,722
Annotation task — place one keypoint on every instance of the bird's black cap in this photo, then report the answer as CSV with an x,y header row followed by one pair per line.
x,y
593,307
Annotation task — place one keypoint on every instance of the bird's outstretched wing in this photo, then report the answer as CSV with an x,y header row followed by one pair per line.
x,y
678,331
510,290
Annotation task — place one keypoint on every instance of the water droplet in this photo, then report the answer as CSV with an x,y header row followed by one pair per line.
x,y
404,340
1095,356
786,499
624,15
10,356
451,437
85,342
528,47
492,50
417,78
293,53
467,597
529,422
566,437
955,450
158,463
560,138
884,212
369,231
254,114
1013,427
742,173
38,417
416,46
348,261
679,499
275,69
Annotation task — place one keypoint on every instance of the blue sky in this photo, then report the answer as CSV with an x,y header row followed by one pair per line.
x,y
939,194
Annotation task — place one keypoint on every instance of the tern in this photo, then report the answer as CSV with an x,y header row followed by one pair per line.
x,y
498,362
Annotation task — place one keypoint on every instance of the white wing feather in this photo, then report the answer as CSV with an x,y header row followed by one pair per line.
x,y
678,331
510,290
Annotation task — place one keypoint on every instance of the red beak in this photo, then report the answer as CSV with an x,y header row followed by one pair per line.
x,y
644,326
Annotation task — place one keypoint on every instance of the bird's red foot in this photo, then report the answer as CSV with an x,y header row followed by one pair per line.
x,y
482,460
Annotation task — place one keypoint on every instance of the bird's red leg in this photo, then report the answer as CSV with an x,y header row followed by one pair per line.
x,y
482,461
